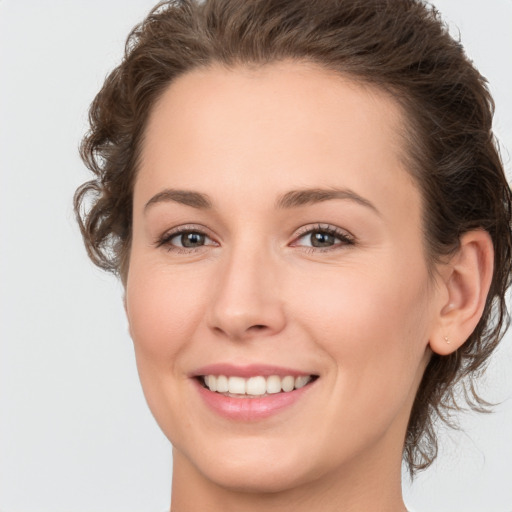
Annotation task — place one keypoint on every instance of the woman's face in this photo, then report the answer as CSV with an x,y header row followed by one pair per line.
x,y
277,242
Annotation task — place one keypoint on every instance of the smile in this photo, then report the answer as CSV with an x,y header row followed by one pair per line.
x,y
251,393
257,386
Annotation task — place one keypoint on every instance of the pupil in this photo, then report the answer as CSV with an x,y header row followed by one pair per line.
x,y
320,239
192,239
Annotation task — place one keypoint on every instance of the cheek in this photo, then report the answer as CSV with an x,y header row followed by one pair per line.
x,y
373,325
164,308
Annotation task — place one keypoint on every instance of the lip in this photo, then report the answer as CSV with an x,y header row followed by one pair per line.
x,y
250,409
246,371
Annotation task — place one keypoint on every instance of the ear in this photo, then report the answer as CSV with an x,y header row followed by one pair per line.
x,y
465,282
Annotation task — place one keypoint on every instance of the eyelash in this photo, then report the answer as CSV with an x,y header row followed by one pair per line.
x,y
167,237
344,238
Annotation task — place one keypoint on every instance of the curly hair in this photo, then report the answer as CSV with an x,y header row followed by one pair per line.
x,y
400,46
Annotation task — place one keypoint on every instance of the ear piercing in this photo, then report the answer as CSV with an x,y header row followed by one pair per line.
x,y
446,339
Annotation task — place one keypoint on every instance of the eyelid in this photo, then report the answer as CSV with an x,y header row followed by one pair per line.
x,y
168,235
344,236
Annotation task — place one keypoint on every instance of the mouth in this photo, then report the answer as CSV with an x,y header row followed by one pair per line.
x,y
258,386
254,392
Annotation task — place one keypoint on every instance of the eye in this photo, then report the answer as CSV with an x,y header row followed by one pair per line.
x,y
189,239
324,238
184,240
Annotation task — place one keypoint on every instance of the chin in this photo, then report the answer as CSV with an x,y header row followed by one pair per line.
x,y
260,478
260,468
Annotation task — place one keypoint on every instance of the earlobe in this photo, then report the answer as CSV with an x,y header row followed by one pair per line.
x,y
466,278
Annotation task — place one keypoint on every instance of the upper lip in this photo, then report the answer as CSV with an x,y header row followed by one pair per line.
x,y
250,370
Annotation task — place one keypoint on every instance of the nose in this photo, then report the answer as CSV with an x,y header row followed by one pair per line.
x,y
247,299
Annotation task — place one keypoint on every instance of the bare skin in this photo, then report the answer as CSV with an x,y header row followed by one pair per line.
x,y
330,285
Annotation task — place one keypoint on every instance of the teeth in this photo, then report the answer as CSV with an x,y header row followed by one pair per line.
x,y
300,382
236,385
222,383
273,384
288,383
255,386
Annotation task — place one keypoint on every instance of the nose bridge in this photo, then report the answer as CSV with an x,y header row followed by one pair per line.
x,y
247,298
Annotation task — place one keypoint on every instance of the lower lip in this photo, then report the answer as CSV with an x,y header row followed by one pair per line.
x,y
250,409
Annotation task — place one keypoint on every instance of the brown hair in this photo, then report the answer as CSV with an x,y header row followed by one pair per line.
x,y
401,46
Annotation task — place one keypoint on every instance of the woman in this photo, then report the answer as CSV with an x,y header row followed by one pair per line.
x,y
311,221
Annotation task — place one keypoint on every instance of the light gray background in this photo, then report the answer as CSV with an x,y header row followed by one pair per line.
x,y
75,433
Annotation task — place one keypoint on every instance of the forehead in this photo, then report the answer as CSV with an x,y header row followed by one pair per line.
x,y
272,128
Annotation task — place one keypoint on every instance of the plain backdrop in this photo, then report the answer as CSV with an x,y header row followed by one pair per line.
x,y
75,432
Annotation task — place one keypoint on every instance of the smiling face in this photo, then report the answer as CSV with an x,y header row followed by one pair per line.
x,y
277,238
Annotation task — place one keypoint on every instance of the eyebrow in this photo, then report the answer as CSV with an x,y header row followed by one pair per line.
x,y
186,197
297,198
291,199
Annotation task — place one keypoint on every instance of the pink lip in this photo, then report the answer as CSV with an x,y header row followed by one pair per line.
x,y
246,371
249,409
